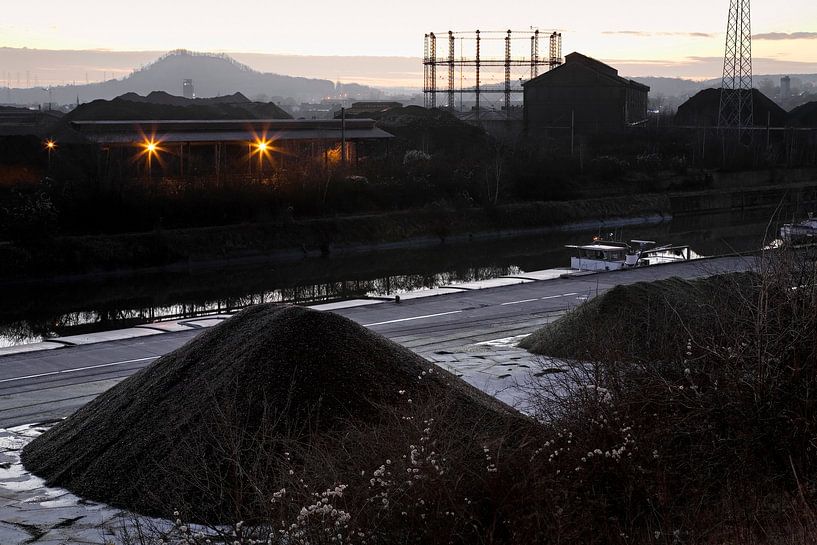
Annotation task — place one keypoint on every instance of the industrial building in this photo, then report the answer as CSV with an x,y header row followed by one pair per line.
x,y
584,94
185,147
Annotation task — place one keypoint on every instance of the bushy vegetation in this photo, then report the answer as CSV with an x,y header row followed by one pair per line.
x,y
647,321
692,417
709,439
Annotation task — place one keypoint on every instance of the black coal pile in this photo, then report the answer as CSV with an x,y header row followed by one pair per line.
x,y
191,428
804,116
161,105
702,110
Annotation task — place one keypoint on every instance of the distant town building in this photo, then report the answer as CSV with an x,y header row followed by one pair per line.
x,y
584,93
785,87
315,111
187,89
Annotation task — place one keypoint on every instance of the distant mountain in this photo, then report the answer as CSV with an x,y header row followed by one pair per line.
x,y
159,105
670,93
671,86
212,75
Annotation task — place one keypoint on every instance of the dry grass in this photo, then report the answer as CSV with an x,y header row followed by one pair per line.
x,y
708,437
714,444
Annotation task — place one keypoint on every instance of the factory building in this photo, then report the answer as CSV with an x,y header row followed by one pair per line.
x,y
585,94
232,147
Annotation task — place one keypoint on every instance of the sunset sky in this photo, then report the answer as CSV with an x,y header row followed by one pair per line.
x,y
643,37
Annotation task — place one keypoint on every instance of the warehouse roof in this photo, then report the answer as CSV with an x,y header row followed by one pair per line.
x,y
234,130
597,66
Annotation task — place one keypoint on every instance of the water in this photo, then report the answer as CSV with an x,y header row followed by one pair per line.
x,y
32,313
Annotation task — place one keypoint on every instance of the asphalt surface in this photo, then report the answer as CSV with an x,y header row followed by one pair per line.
x,y
45,385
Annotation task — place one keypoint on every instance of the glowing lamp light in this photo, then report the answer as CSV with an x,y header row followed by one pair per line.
x,y
151,146
262,146
50,144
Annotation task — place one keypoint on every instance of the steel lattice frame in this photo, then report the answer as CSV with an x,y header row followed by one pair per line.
x,y
736,105
431,61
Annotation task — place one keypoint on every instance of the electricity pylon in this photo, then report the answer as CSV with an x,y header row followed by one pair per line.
x,y
736,106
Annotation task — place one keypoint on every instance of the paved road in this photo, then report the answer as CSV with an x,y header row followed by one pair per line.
x,y
38,386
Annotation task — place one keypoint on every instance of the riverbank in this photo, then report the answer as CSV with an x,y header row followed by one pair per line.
x,y
71,258
194,249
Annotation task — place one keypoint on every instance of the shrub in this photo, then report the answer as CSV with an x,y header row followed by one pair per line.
x,y
708,438
608,168
415,156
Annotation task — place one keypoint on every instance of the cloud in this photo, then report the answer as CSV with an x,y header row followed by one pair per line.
x,y
704,68
777,36
645,34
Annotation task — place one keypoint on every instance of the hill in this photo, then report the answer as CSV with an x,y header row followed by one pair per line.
x,y
212,75
671,87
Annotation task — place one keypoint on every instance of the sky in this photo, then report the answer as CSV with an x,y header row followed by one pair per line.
x,y
642,37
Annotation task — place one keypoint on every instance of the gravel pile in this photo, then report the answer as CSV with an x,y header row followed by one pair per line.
x,y
172,433
647,321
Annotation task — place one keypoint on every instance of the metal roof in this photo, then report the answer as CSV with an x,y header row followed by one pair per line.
x,y
599,248
286,124
577,59
134,137
228,130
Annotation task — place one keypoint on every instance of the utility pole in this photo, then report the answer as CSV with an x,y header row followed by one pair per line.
x,y
343,137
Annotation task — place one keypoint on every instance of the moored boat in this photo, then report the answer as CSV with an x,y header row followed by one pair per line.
x,y
804,232
609,255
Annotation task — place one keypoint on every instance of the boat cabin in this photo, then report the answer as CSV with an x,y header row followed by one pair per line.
x,y
603,256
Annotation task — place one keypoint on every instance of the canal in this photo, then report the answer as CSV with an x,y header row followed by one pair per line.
x,y
31,313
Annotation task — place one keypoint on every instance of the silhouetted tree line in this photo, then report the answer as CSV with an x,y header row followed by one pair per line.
x,y
84,190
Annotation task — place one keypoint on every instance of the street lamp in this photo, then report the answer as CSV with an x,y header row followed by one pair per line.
x,y
151,149
262,148
50,146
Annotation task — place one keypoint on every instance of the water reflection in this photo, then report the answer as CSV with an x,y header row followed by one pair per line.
x,y
32,313
85,321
